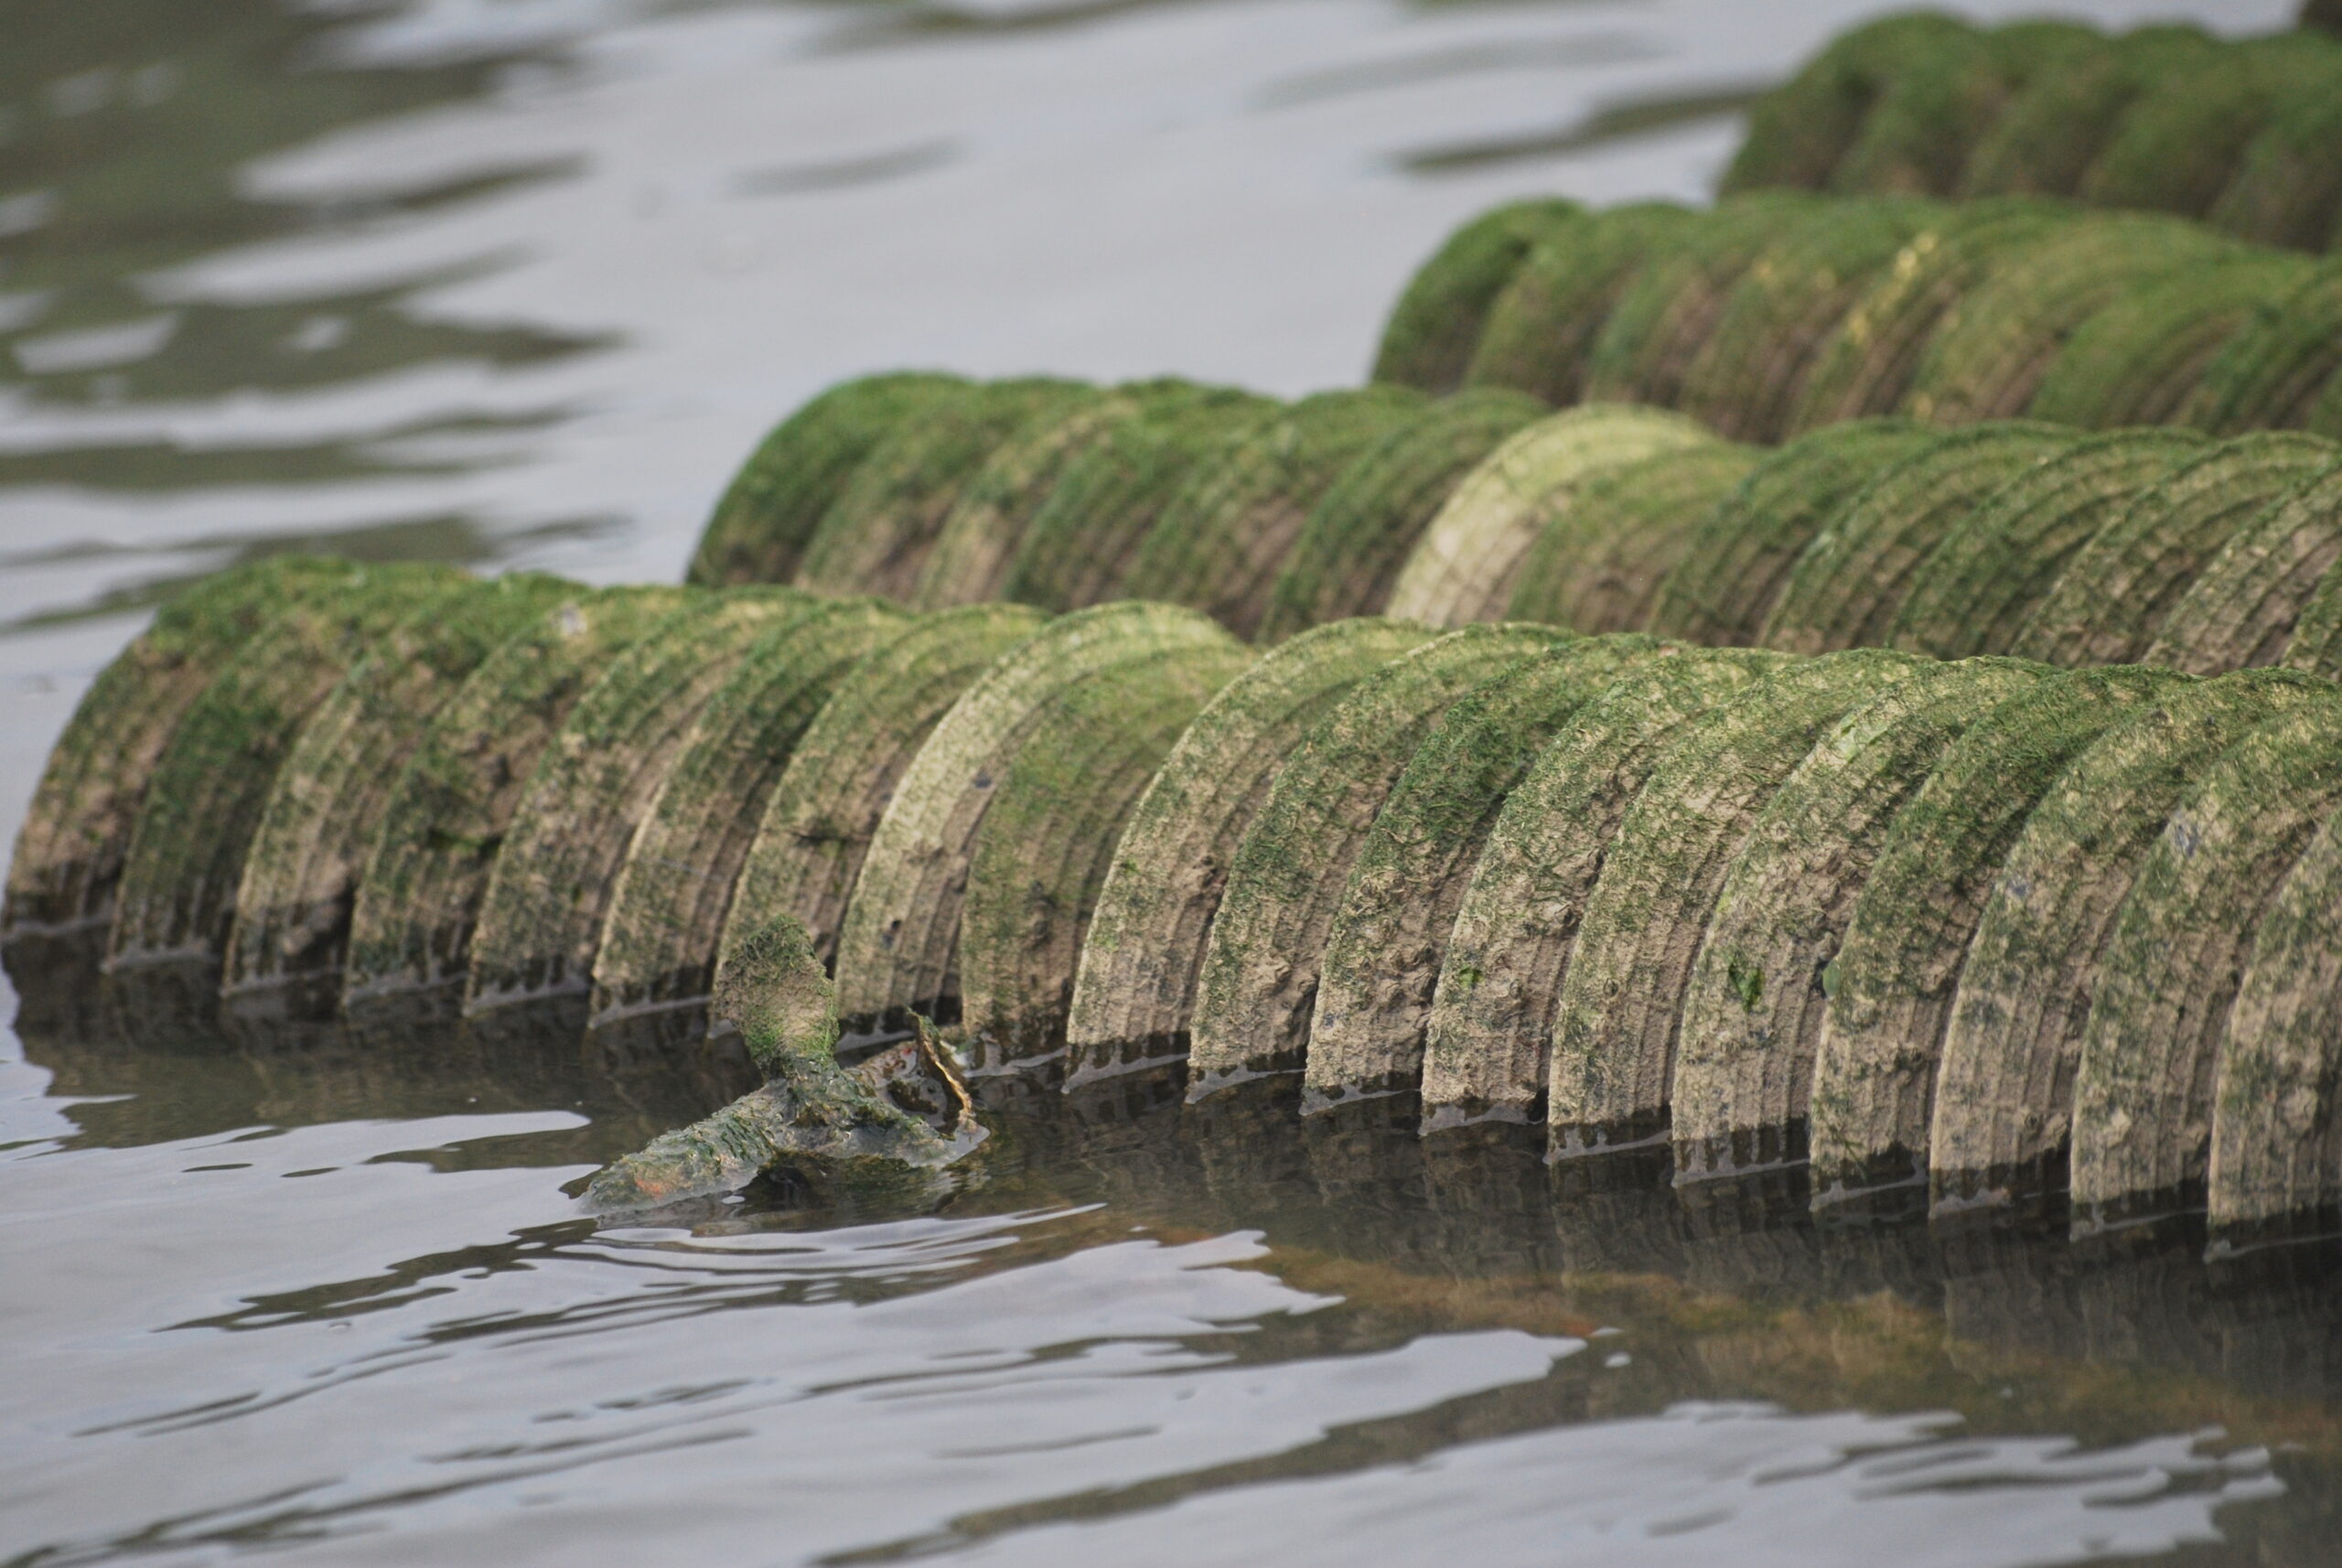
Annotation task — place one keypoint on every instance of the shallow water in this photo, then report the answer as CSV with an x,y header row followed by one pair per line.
x,y
517,282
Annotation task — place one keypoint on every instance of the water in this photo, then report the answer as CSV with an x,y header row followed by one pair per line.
x,y
516,282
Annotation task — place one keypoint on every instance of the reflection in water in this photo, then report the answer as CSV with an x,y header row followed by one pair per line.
x,y
1611,122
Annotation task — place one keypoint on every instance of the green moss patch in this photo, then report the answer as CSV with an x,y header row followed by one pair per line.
x,y
769,512
1042,854
2144,1089
825,807
1801,133
317,831
977,541
1136,981
69,850
1868,364
2045,141
1988,361
2178,146
418,897
1507,952
1615,1026
2273,1167
1219,540
1080,546
2004,1090
1979,588
541,914
1740,557
1541,329
1852,579
1748,377
2243,606
2142,359
1259,980
1462,568
1753,1005
2120,586
2270,375
1888,991
1598,562
211,782
1434,328
1350,551
667,907
1646,348
874,536
1388,935
897,945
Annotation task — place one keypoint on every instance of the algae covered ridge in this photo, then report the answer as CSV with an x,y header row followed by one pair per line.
x,y
1910,918
1841,683
2167,118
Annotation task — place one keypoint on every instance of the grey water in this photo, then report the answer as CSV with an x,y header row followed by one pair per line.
x,y
516,282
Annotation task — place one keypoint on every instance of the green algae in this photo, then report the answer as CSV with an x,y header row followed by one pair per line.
x,y
1654,334
1749,375
1463,566
2275,1166
2045,141
2177,147
2142,359
667,903
2243,606
1801,132
1541,329
1435,326
1988,360
70,849
2143,1088
2118,590
1854,576
875,535
1388,935
826,805
180,871
1599,561
1258,982
418,896
1221,543
1082,546
1888,991
886,1128
2271,374
1868,363
1740,557
1356,541
977,541
1615,1024
1978,589
317,831
768,513
1507,952
1925,124
1043,852
899,939
541,914
2003,1108
1753,1005
1135,982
